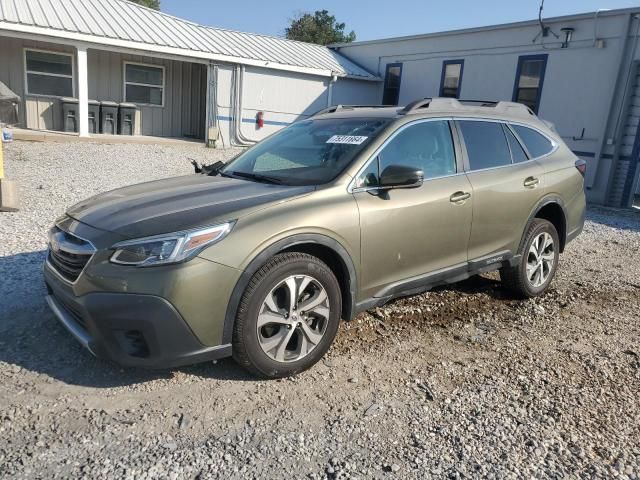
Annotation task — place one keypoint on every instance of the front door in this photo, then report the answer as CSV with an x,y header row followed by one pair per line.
x,y
407,233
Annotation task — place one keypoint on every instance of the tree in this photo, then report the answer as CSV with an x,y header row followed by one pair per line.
x,y
155,4
320,28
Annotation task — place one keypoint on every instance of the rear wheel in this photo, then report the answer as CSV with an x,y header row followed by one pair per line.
x,y
288,316
538,263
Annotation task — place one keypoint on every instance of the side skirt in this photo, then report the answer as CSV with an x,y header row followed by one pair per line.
x,y
447,276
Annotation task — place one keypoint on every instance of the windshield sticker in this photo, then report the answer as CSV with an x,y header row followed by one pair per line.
x,y
347,139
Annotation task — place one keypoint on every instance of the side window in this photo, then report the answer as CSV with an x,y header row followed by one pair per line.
x,y
425,145
392,79
537,144
486,144
517,152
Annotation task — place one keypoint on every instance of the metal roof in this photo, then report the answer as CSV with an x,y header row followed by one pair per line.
x,y
125,24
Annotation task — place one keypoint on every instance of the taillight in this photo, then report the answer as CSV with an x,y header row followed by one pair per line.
x,y
581,165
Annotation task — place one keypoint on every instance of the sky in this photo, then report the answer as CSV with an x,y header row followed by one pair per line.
x,y
372,19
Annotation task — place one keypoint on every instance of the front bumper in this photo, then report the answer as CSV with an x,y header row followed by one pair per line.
x,y
136,330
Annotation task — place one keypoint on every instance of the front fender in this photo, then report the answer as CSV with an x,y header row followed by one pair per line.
x,y
273,249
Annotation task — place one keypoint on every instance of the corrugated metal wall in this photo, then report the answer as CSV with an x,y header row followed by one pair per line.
x,y
284,97
185,90
183,113
34,112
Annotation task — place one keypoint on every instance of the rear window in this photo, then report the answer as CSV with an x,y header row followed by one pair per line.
x,y
486,144
537,144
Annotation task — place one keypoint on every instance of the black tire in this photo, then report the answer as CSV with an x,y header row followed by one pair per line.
x,y
247,350
515,278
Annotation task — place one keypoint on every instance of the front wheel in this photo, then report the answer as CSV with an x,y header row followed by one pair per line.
x,y
288,316
538,261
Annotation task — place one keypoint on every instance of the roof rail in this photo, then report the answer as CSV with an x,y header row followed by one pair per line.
x,y
481,103
453,103
416,105
335,108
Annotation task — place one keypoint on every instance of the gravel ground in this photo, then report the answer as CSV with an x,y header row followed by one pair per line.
x,y
461,382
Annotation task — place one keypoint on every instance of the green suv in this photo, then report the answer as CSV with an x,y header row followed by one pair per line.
x,y
336,214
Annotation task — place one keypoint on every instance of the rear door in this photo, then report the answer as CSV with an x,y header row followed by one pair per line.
x,y
506,186
407,233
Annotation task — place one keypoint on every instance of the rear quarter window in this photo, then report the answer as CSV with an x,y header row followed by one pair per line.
x,y
537,144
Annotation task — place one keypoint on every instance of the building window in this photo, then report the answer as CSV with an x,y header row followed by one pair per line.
x,y
144,84
451,80
48,73
529,80
392,79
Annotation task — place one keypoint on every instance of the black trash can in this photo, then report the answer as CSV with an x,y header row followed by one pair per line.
x,y
69,114
94,116
127,118
109,118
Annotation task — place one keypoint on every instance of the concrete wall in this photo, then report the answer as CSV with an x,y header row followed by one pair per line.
x,y
580,91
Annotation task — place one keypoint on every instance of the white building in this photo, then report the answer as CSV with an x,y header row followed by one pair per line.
x,y
183,77
586,81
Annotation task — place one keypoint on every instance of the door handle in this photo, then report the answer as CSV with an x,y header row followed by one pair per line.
x,y
459,197
531,182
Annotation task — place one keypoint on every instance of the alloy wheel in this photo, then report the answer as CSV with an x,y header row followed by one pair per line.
x,y
293,318
540,259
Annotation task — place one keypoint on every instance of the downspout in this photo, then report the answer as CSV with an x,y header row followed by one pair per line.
x,y
595,24
332,80
212,103
237,88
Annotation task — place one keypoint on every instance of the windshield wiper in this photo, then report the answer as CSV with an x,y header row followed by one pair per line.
x,y
256,176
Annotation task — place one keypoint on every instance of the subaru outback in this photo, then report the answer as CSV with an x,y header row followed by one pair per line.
x,y
261,258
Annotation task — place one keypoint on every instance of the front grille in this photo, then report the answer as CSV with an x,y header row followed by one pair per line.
x,y
68,254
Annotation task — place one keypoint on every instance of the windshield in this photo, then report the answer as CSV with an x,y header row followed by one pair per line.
x,y
311,152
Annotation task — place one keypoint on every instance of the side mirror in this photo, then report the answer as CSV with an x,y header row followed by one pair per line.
x,y
401,176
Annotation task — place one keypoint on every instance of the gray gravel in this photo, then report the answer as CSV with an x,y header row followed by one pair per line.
x,y
54,176
461,382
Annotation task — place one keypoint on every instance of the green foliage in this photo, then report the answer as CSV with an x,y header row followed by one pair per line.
x,y
321,28
155,4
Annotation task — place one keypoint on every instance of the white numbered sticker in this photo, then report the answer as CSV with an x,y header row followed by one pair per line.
x,y
347,139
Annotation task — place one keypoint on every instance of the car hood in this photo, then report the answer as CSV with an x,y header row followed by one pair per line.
x,y
179,203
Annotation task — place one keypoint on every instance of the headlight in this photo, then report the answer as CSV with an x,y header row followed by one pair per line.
x,y
169,248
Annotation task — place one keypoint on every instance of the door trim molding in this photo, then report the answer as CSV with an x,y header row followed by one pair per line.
x,y
445,276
